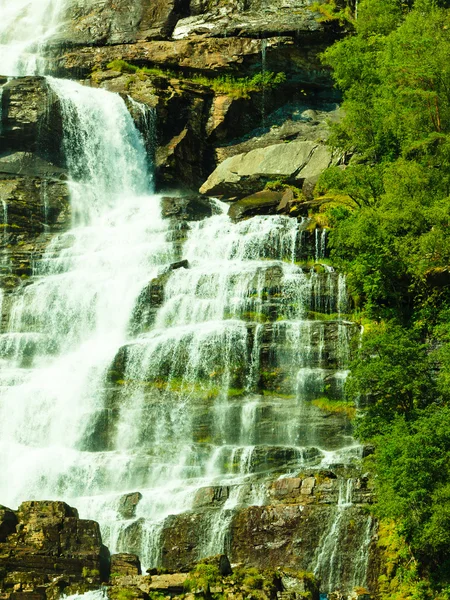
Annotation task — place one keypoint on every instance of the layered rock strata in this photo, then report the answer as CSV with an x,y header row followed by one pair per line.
x,y
46,551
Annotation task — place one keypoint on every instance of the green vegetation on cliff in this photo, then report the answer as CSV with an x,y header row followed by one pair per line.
x,y
235,87
390,232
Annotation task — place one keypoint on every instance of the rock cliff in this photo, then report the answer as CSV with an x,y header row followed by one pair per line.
x,y
183,49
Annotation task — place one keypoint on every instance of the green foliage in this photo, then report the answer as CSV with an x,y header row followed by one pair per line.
x,y
396,83
236,87
241,87
341,407
334,11
413,485
389,231
202,578
362,183
278,185
400,577
391,376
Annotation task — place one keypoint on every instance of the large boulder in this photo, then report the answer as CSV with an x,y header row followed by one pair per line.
x,y
47,550
244,174
262,18
119,21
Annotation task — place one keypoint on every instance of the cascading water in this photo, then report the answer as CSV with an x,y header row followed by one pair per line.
x,y
25,27
65,329
109,387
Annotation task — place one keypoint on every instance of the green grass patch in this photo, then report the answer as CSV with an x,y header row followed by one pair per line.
x,y
235,87
202,578
318,316
241,87
340,407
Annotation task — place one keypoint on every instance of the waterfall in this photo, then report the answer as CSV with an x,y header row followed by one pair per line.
x,y
25,27
320,239
68,325
95,595
110,387
347,531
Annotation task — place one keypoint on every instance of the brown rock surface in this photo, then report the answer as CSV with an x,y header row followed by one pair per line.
x,y
194,53
51,550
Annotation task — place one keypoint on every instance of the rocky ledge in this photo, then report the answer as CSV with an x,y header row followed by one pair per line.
x,y
47,551
224,77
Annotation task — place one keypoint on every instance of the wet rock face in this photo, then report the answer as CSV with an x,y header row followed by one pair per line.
x,y
125,565
128,504
301,513
46,549
30,118
33,191
34,195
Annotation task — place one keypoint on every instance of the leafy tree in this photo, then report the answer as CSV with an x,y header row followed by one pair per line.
x,y
413,485
390,377
390,232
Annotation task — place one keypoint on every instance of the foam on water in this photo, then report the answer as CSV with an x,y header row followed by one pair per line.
x,y
25,27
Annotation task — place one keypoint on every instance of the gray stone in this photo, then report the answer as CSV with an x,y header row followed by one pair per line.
x,y
251,18
128,504
247,173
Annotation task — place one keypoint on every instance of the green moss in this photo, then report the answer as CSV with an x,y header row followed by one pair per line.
x,y
318,316
234,392
336,406
279,185
122,593
279,394
202,578
255,581
122,66
90,572
256,317
142,72
155,72
156,596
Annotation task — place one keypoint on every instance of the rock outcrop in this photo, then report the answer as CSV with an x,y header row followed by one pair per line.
x,y
200,125
34,194
298,163
47,550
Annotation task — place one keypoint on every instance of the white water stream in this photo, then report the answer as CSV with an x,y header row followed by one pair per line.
x,y
25,27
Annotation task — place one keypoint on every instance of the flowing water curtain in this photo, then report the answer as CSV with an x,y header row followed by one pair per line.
x,y
196,396
26,26
68,325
